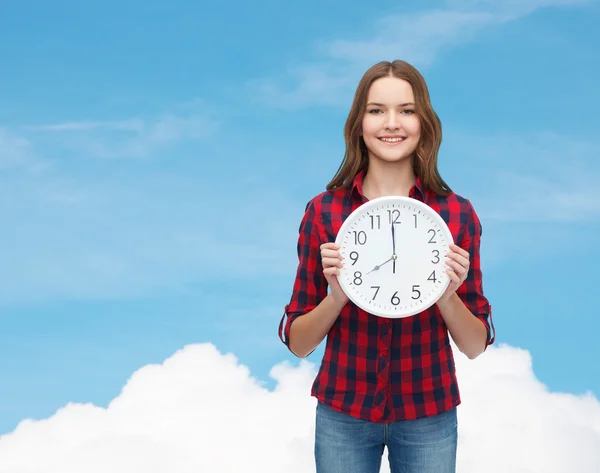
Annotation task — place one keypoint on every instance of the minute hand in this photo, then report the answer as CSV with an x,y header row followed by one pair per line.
x,y
394,256
393,240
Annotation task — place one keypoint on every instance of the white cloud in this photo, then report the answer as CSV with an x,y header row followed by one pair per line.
x,y
543,198
17,152
202,411
81,238
512,423
119,229
511,9
418,38
533,192
552,177
131,125
312,84
130,138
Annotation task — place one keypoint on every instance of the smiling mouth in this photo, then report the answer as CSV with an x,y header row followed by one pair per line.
x,y
396,139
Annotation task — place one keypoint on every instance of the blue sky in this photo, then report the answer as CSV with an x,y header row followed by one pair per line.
x,y
156,158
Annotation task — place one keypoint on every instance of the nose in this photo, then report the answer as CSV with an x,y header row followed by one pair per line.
x,y
392,121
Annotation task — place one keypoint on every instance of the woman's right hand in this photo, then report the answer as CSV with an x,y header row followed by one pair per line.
x,y
332,262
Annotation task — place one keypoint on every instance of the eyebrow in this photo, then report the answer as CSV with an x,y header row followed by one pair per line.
x,y
382,105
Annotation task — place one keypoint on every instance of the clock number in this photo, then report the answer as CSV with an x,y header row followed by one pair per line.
x,y
416,290
377,290
415,215
354,257
394,215
360,238
395,299
432,277
431,230
437,255
358,278
373,221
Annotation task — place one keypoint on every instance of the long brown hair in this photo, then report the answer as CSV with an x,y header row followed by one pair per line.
x,y
424,160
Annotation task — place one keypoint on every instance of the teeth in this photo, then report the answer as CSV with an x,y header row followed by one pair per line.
x,y
391,140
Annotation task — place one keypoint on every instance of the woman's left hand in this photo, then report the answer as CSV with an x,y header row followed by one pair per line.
x,y
458,263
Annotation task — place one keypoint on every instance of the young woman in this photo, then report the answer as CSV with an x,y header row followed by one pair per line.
x,y
386,382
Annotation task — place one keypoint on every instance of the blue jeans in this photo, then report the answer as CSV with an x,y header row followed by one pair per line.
x,y
344,444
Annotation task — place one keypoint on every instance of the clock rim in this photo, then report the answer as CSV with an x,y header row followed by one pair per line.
x,y
373,203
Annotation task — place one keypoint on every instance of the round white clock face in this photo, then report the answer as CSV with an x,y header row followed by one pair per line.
x,y
394,251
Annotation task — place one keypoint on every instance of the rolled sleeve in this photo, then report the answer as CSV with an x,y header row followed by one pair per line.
x,y
471,291
310,285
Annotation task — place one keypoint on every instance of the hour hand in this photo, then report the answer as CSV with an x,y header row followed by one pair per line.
x,y
376,268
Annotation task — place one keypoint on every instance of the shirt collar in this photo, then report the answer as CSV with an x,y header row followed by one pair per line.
x,y
358,183
418,190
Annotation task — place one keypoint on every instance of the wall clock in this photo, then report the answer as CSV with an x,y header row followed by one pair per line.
x,y
393,249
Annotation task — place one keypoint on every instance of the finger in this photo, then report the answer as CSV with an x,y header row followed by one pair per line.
x,y
329,262
459,252
453,276
456,267
330,254
459,259
330,246
332,271
457,249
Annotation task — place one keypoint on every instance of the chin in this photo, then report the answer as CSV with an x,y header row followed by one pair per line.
x,y
393,155
390,158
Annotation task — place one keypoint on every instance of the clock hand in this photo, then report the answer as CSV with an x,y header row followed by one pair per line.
x,y
393,240
377,267
394,256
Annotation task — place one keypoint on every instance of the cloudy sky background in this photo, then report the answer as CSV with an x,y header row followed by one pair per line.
x,y
155,160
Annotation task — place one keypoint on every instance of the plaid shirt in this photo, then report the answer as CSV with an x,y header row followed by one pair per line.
x,y
375,368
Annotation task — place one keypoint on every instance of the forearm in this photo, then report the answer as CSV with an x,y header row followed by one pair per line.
x,y
309,330
468,332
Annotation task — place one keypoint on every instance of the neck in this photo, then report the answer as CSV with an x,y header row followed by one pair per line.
x,y
383,179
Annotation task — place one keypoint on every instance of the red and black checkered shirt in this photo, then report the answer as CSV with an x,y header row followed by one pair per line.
x,y
375,368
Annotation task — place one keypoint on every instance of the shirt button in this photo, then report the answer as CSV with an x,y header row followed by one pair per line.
x,y
384,352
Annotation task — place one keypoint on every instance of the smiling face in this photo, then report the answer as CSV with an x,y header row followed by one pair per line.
x,y
391,128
